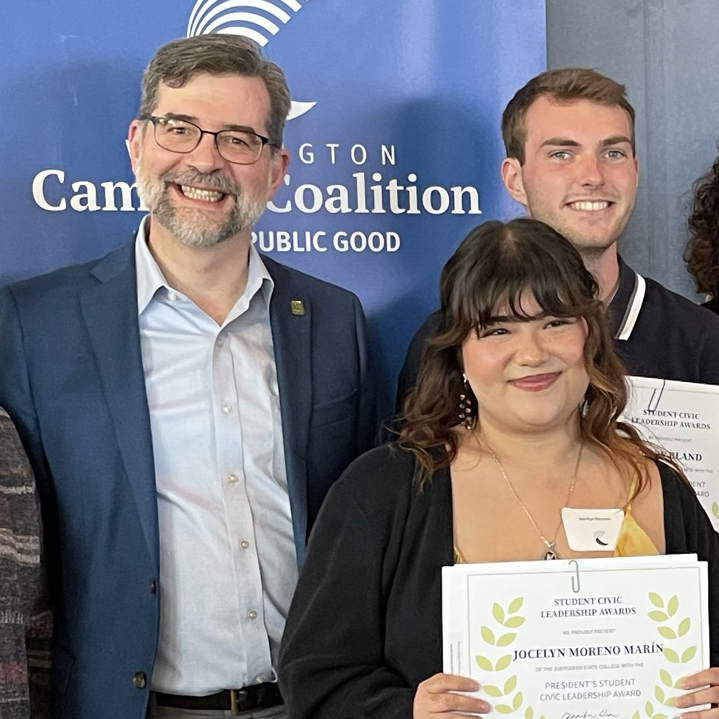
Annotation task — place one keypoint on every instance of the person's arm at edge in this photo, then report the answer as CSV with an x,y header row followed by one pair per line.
x,y
16,398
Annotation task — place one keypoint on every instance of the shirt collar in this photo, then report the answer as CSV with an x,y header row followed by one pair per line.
x,y
627,302
150,278
258,278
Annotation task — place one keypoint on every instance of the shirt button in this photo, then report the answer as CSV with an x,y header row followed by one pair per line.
x,y
171,296
252,614
232,478
220,342
244,544
259,680
226,408
139,680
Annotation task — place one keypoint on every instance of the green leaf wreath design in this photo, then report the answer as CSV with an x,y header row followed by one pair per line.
x,y
508,709
529,714
503,663
649,712
505,618
488,635
665,612
509,686
666,679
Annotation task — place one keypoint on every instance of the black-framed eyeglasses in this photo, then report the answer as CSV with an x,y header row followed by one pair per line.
x,y
241,147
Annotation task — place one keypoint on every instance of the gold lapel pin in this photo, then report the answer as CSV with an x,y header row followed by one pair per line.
x,y
298,307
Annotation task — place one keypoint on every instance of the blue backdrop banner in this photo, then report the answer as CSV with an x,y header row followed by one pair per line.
x,y
394,133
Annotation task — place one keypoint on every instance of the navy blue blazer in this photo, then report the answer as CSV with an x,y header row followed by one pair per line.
x,y
71,377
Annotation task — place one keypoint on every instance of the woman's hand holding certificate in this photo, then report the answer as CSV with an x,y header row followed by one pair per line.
x,y
707,683
592,638
437,697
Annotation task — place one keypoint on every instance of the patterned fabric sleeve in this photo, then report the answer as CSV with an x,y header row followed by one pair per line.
x,y
25,620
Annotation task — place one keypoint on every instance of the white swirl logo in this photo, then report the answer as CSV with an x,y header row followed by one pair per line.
x,y
258,20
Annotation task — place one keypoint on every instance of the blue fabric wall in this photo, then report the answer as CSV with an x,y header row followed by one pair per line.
x,y
398,95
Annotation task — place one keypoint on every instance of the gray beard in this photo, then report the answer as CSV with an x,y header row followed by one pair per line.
x,y
190,226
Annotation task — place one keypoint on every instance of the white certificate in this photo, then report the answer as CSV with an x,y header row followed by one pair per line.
x,y
591,638
682,417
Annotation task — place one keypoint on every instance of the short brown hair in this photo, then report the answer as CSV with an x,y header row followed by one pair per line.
x,y
177,62
563,85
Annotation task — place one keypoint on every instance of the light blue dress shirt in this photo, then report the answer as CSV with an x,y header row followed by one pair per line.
x,y
228,564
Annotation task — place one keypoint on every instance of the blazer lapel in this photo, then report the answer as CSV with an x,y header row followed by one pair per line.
x,y
110,313
291,320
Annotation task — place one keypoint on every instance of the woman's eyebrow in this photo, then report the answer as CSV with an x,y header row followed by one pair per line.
x,y
516,317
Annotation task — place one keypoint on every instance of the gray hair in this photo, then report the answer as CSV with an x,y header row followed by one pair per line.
x,y
178,61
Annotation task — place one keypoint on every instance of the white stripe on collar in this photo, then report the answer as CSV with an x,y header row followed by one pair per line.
x,y
633,308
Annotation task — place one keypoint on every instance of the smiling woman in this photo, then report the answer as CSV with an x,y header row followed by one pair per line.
x,y
515,416
532,371
524,334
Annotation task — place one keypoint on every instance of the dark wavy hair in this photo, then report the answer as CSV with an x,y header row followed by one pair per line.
x,y
494,266
702,251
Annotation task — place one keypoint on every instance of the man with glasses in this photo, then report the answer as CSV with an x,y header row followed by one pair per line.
x,y
186,405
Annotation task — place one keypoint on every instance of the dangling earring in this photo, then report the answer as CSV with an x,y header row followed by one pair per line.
x,y
465,405
584,405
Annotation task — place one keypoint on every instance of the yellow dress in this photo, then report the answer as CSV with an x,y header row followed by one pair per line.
x,y
633,541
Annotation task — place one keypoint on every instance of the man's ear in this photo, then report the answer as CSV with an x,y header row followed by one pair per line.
x,y
636,169
134,139
512,179
279,164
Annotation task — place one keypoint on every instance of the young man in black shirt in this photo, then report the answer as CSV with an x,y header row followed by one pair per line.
x,y
569,138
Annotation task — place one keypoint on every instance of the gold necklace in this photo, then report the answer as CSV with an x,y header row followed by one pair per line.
x,y
551,552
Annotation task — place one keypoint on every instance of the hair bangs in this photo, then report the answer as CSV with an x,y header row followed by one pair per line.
x,y
507,286
498,267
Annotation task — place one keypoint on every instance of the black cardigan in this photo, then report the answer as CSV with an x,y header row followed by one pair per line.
x,y
365,625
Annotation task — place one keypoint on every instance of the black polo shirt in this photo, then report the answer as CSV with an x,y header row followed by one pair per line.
x,y
657,333
713,305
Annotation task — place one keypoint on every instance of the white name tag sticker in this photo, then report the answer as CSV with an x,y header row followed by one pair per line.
x,y
592,530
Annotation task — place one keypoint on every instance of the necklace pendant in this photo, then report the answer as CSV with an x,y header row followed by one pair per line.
x,y
550,553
